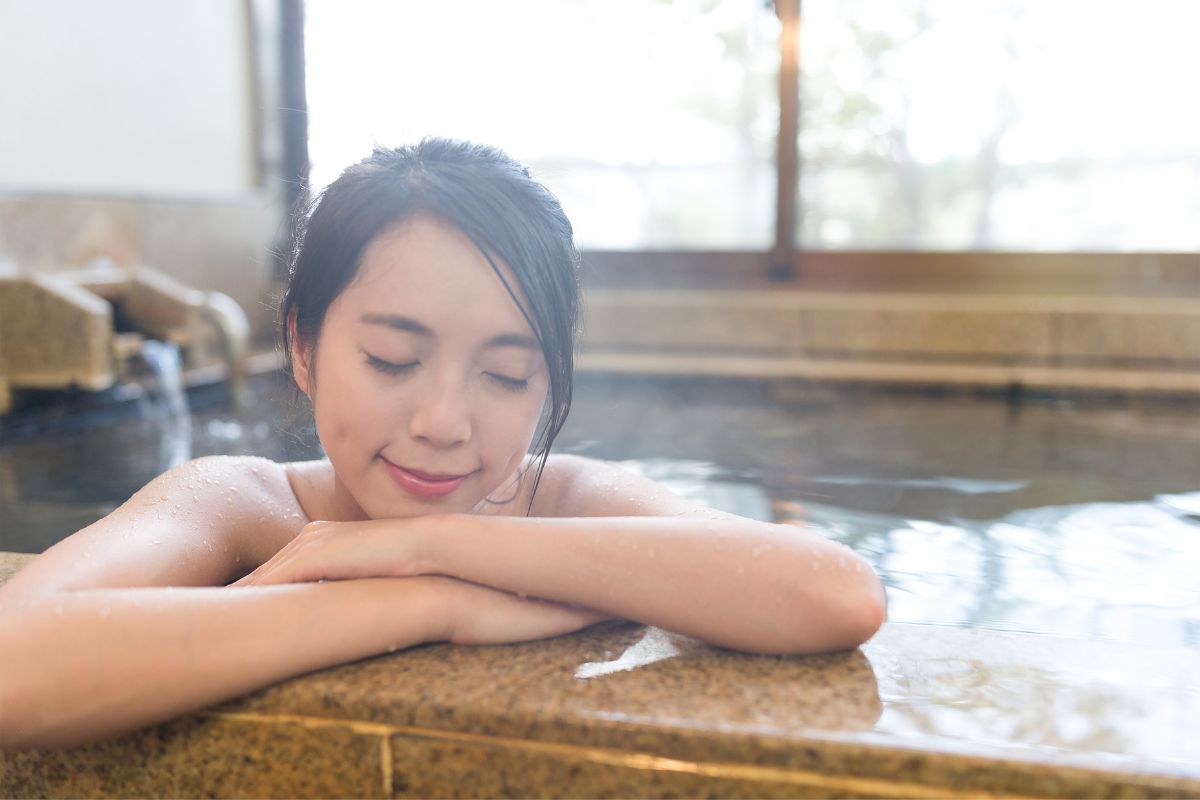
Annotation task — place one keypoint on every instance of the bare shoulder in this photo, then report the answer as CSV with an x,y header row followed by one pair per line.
x,y
574,486
200,523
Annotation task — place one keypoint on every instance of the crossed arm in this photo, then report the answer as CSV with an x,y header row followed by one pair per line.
x,y
727,580
740,584
125,624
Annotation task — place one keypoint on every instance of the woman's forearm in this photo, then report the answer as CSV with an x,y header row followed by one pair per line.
x,y
741,584
81,666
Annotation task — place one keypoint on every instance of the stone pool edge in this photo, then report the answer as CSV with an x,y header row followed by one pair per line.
x,y
239,747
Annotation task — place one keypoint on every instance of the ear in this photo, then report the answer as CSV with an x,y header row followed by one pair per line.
x,y
301,356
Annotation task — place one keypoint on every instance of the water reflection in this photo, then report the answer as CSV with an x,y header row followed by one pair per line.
x,y
1050,693
1121,571
1118,570
964,485
668,679
655,645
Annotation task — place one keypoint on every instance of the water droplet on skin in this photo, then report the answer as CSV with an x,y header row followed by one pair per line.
x,y
164,497
815,564
229,500
104,612
195,498
156,541
393,648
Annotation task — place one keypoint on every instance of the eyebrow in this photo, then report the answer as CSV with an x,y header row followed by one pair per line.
x,y
405,324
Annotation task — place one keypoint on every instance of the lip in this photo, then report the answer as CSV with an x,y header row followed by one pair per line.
x,y
424,484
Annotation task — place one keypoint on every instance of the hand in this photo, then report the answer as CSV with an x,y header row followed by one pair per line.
x,y
483,615
383,548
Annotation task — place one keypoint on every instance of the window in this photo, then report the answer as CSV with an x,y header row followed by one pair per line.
x,y
654,122
999,125
924,125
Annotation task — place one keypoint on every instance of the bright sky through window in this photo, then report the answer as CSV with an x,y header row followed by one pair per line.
x,y
653,122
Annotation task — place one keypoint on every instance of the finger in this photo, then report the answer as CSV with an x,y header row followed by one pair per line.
x,y
267,572
247,580
277,568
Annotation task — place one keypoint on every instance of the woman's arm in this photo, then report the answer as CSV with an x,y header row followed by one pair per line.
x,y
736,583
80,666
121,625
613,541
84,665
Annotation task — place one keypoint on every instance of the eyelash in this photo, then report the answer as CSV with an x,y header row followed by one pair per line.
x,y
388,368
509,384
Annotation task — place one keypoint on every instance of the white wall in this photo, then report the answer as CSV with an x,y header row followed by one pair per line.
x,y
126,97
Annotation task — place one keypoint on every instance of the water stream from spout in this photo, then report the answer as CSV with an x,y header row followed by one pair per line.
x,y
166,400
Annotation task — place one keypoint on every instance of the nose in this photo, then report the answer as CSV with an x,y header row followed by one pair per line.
x,y
441,416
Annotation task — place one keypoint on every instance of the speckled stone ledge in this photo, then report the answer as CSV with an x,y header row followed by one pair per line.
x,y
623,710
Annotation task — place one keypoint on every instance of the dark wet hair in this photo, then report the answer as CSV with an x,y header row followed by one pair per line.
x,y
482,192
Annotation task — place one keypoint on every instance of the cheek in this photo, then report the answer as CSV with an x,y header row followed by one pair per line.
x,y
333,428
511,429
348,411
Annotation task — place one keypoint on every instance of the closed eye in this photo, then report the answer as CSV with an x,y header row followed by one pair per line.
x,y
388,367
511,384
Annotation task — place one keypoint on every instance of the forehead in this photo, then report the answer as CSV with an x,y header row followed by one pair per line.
x,y
429,269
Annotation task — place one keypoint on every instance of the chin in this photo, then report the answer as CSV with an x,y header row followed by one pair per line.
x,y
420,508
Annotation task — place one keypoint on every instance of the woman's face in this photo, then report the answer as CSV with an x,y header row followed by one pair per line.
x,y
426,381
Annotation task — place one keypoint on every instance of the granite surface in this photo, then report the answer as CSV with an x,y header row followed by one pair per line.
x,y
625,710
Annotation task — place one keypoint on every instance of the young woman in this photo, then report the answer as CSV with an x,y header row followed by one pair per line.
x,y
430,318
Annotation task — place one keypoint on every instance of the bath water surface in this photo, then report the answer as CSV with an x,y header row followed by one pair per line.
x,y
1075,516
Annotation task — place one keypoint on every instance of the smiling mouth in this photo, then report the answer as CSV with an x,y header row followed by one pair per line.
x,y
424,484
